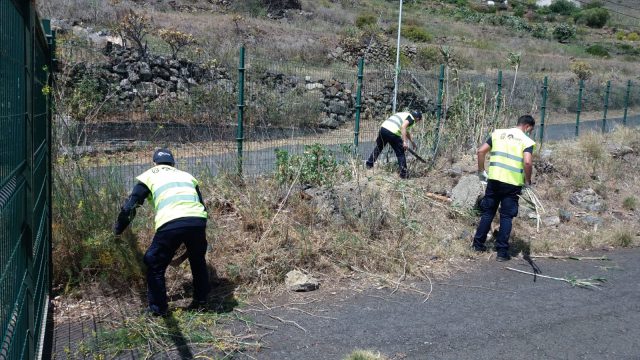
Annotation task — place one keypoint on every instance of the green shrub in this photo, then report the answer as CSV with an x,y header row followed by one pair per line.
x,y
633,36
563,7
620,35
598,50
543,10
593,17
416,33
365,20
519,11
539,31
428,57
316,166
630,203
593,4
564,32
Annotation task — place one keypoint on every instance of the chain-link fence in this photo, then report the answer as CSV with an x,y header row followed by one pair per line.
x,y
194,108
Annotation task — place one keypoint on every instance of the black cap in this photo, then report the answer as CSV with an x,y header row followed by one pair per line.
x,y
417,115
163,156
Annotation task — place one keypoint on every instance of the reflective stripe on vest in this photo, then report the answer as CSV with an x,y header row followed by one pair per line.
x,y
394,123
173,194
507,151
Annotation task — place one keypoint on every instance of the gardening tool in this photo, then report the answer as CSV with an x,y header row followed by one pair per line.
x,y
417,156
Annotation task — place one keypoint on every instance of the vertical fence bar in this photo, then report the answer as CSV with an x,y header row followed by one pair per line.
x,y
606,106
626,103
356,131
498,99
240,128
543,107
579,107
439,108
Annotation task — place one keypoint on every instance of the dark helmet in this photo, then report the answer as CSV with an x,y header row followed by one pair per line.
x,y
416,114
163,156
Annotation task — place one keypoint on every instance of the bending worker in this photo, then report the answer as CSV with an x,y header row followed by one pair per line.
x,y
395,131
509,170
181,217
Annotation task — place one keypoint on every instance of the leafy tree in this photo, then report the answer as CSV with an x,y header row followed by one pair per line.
x,y
593,17
563,7
177,40
135,27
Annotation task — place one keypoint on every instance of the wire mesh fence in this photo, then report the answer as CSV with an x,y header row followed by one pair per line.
x,y
287,106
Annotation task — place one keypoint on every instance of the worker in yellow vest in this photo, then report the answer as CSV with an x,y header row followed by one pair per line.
x,y
181,217
395,131
510,169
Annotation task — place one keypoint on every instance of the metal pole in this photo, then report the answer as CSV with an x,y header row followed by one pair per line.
x,y
356,131
498,99
626,103
606,106
240,128
438,108
579,107
397,69
543,108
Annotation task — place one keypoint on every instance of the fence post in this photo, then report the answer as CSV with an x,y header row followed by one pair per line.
x,y
498,99
543,108
356,131
438,109
240,128
626,103
606,106
579,107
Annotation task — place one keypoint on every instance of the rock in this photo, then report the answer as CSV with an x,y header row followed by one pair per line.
x,y
174,64
338,107
454,172
121,68
565,216
551,220
147,89
125,84
329,123
619,150
546,154
182,85
160,72
467,192
298,281
313,86
588,199
145,71
133,77
592,220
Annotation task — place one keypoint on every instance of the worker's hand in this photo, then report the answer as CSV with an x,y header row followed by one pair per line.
x,y
405,145
483,175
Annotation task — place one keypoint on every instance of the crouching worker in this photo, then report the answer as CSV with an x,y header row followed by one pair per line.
x,y
395,131
180,217
509,170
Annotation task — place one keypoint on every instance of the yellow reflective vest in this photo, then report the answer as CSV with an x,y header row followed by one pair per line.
x,y
395,121
173,194
507,155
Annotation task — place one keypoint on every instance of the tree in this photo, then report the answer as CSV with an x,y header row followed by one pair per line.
x,y
135,27
177,40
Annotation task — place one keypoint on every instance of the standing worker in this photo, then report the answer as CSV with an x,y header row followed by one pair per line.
x,y
181,217
509,170
395,131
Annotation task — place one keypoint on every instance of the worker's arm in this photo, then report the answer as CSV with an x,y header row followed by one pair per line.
x,y
128,210
406,136
200,198
528,165
482,154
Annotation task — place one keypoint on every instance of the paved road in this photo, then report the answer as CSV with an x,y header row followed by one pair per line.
x,y
492,313
263,161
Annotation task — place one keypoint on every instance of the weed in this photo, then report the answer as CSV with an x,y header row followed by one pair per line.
x,y
366,20
416,33
630,203
622,237
316,166
598,50
365,355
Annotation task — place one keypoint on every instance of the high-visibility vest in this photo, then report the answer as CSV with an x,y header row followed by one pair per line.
x,y
507,155
395,121
173,194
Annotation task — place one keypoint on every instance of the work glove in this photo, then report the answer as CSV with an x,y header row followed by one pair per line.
x,y
483,176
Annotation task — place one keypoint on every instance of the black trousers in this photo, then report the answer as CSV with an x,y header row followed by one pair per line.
x,y
159,255
506,197
387,137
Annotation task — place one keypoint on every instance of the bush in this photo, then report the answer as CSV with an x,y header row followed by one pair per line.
x,y
633,36
593,5
630,203
316,166
518,11
598,50
564,32
416,33
428,57
594,17
581,69
563,7
366,20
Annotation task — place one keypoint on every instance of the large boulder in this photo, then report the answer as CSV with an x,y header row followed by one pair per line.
x,y
298,281
468,192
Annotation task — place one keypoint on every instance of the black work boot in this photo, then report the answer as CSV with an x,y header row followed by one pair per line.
x,y
503,257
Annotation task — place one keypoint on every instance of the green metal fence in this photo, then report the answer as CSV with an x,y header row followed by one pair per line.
x,y
25,181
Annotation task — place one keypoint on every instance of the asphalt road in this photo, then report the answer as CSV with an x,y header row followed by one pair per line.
x,y
487,313
257,162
